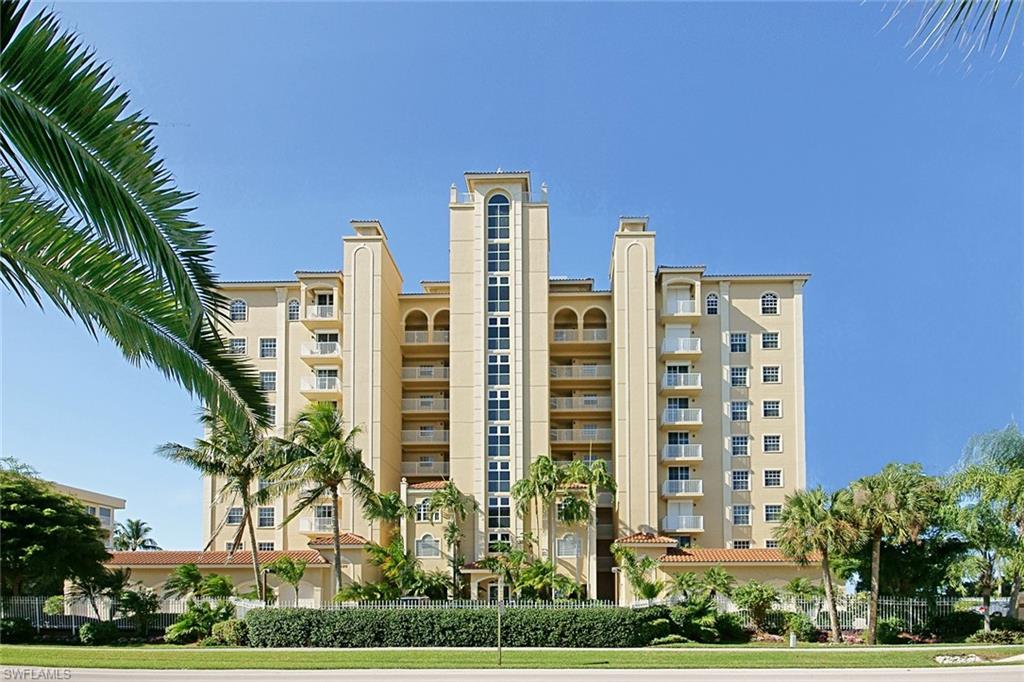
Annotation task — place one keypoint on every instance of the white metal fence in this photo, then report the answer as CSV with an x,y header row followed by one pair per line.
x,y
75,613
466,604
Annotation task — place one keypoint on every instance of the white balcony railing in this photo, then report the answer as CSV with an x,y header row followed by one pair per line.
x,y
316,525
424,468
424,404
320,384
581,435
680,307
687,345
587,402
424,336
320,312
424,436
586,335
682,452
425,372
595,335
581,372
674,380
687,415
682,523
564,335
322,349
693,486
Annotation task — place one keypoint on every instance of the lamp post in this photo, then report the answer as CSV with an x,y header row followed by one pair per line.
x,y
615,571
501,610
266,597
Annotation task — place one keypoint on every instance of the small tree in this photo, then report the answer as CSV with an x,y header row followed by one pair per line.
x,y
133,535
454,508
758,598
802,588
716,580
637,569
183,582
685,585
290,571
96,586
140,603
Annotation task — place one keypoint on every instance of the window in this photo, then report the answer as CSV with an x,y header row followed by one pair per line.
x,y
499,512
772,443
323,511
497,333
424,514
769,304
268,381
263,484
266,517
498,477
678,438
264,546
236,346
741,544
679,473
771,408
711,304
498,405
497,370
683,541
498,440
741,515
567,546
741,480
497,217
428,546
239,310
499,541
740,446
272,413
773,478
497,257
771,374
771,544
738,376
738,342
738,410
233,547
293,311
770,340
234,516
497,294
773,513
268,348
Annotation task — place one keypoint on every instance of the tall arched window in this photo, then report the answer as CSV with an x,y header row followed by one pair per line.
x,y
711,304
428,546
239,310
293,309
769,304
497,217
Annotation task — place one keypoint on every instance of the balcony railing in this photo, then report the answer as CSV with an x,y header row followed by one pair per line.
x,y
581,435
322,349
423,336
586,335
320,384
595,335
424,436
688,345
424,404
581,372
424,468
425,372
564,335
320,312
316,525
693,486
682,452
680,307
675,380
682,523
596,402
687,415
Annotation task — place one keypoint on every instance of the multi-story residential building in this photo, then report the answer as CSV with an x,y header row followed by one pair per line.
x,y
99,505
688,384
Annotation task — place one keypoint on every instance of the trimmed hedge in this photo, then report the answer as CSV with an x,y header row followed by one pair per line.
x,y
369,627
16,630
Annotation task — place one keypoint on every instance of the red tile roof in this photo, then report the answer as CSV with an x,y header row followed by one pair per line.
x,y
347,540
646,539
725,556
428,485
199,558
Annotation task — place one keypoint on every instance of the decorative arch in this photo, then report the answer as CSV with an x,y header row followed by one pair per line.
x,y
595,318
566,318
498,215
294,308
711,304
442,320
415,321
769,303
239,310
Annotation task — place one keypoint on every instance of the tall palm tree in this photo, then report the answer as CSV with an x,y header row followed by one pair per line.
x,y
133,535
581,482
817,524
898,502
387,507
320,459
539,489
454,507
91,220
239,456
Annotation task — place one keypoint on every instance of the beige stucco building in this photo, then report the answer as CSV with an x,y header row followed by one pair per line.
x,y
99,505
688,384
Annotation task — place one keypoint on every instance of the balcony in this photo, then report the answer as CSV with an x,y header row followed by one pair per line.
x,y
686,346
600,373
320,385
424,436
424,405
682,524
425,373
321,350
688,416
688,488
424,468
320,312
603,435
675,382
688,452
315,526
596,403
437,337
679,307
580,336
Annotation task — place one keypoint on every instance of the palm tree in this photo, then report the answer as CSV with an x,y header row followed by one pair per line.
x,y
290,571
801,588
133,535
967,25
183,582
897,503
816,524
103,584
239,456
454,508
685,585
91,220
539,489
387,507
582,482
716,580
636,569
320,459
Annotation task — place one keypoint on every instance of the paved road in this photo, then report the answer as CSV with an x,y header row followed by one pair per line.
x,y
987,673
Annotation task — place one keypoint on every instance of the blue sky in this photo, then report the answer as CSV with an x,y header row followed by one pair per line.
x,y
758,137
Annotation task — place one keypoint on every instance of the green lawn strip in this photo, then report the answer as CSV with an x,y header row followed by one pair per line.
x,y
196,658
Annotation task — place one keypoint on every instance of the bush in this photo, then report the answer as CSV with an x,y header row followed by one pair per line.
x,y
659,628
367,627
890,631
955,626
758,598
730,629
801,624
98,633
15,630
997,637
669,639
197,622
1007,623
230,632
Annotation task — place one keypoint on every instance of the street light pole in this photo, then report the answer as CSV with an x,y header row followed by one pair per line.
x,y
501,610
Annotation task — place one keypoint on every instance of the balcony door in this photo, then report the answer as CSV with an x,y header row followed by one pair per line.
x,y
677,508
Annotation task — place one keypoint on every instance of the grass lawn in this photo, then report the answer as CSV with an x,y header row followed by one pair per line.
x,y
210,658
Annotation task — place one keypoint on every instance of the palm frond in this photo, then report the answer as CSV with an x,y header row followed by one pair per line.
x,y
970,26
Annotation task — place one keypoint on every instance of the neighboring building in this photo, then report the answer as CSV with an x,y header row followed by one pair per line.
x,y
99,505
688,384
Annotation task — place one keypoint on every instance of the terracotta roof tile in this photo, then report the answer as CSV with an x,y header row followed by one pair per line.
x,y
199,558
428,485
646,539
725,556
347,540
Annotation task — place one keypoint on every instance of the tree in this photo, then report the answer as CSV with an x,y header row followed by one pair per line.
x,y
454,508
320,459
539,490
387,507
240,457
818,525
758,598
899,502
801,588
290,571
685,585
716,580
971,26
401,575
45,537
140,603
580,485
133,535
95,586
91,220
636,569
508,562
183,582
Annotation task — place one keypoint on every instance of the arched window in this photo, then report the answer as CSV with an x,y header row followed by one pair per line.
x,y
567,546
293,309
497,217
239,310
711,304
423,513
428,546
769,304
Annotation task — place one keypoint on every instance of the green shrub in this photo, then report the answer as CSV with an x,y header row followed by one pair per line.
x,y
801,624
197,622
367,627
997,637
230,632
955,626
1007,623
659,628
669,639
695,619
15,630
98,633
889,630
730,629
